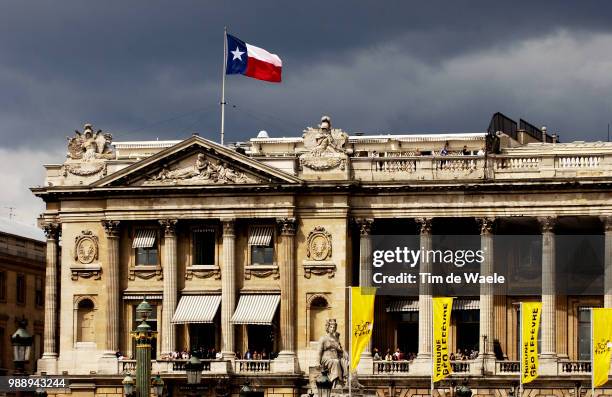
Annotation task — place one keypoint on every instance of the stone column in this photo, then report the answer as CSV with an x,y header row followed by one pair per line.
x,y
228,290
50,351
549,298
607,222
486,294
287,360
168,334
366,363
423,360
112,286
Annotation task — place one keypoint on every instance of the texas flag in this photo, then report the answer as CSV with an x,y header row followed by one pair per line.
x,y
251,61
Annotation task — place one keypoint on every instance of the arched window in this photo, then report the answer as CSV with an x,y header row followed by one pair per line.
x,y
85,321
318,315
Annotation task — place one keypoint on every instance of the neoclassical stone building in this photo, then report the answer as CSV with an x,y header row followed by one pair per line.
x,y
251,248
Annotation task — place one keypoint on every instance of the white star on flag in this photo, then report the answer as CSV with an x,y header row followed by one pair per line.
x,y
237,54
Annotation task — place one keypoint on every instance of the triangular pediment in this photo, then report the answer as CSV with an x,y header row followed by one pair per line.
x,y
197,161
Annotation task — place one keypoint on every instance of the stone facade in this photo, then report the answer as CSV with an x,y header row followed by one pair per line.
x,y
22,282
284,225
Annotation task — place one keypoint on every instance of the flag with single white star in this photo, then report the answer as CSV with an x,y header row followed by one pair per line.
x,y
249,60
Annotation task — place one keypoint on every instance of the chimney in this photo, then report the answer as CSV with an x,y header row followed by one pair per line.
x,y
544,134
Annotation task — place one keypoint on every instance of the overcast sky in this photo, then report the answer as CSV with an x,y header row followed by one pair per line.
x,y
152,69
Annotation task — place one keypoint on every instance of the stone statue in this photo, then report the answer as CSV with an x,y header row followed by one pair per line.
x,y
88,146
332,357
325,147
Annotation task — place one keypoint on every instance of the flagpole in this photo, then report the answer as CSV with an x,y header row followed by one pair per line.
x,y
521,350
223,84
592,359
350,346
432,347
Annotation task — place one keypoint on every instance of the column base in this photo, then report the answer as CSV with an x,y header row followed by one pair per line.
x,y
548,364
228,356
421,365
366,364
285,362
48,364
108,363
486,362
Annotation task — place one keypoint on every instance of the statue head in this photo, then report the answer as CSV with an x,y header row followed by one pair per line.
x,y
331,326
325,123
88,130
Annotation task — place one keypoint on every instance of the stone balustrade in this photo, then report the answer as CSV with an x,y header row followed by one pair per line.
x,y
507,368
493,167
574,368
252,366
391,367
461,367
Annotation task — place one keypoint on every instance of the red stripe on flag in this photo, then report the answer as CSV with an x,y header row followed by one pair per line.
x,y
263,70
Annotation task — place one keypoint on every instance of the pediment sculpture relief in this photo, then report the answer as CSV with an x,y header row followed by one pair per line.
x,y
325,147
204,171
87,152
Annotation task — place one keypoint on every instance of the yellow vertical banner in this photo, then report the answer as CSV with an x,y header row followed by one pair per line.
x,y
441,328
530,327
362,321
601,344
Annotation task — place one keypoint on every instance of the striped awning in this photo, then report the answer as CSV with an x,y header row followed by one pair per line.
x,y
196,309
412,305
261,235
145,238
150,297
204,229
466,304
403,305
256,309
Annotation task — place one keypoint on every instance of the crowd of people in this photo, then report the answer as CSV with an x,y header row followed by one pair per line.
x,y
256,355
398,355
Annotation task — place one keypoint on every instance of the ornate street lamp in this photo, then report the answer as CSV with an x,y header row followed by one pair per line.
x,y
193,368
22,344
158,385
128,386
143,335
463,390
324,385
246,391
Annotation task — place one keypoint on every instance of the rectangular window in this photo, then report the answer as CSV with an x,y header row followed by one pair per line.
x,y
3,286
146,256
39,291
262,245
204,247
145,245
584,334
21,288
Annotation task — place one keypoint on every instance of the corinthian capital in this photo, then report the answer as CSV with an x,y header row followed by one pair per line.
x,y
287,226
52,230
169,226
424,225
486,225
228,227
365,225
547,224
111,228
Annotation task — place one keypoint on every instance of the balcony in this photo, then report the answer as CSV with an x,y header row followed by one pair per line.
x,y
507,368
495,167
574,368
252,366
391,367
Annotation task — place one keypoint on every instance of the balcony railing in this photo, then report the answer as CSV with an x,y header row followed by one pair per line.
x,y
574,367
391,367
162,366
461,367
493,167
507,367
252,366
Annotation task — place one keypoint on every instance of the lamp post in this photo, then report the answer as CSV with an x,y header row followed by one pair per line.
x,y
463,390
324,385
128,386
158,386
22,344
143,335
193,368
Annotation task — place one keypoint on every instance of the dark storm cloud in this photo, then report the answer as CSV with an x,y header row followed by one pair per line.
x,y
373,66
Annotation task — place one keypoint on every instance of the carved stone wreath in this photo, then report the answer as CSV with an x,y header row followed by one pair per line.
x,y
86,169
86,247
319,244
